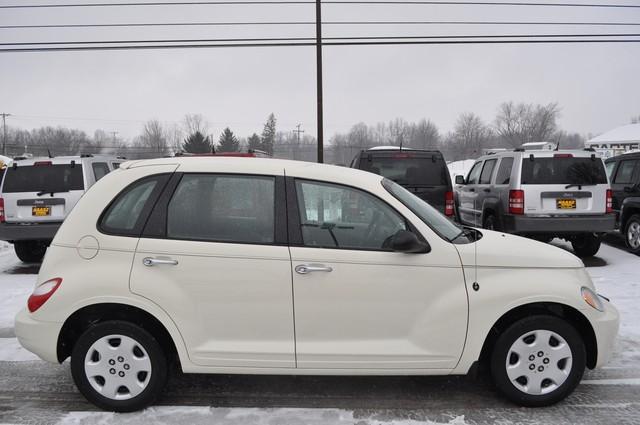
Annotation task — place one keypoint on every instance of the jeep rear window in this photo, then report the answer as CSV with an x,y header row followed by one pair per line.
x,y
43,178
407,170
563,170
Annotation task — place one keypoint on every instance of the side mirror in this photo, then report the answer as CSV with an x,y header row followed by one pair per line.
x,y
408,242
460,179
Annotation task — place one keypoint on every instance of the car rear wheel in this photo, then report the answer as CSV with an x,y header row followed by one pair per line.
x,y
119,366
538,361
632,233
30,251
586,245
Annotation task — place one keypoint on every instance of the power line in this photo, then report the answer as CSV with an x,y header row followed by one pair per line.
x,y
308,44
302,2
259,23
354,38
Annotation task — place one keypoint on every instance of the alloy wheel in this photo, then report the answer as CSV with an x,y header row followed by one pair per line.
x,y
633,234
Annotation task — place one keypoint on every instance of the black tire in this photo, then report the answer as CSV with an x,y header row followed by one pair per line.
x,y
520,328
30,251
632,225
157,378
490,222
586,245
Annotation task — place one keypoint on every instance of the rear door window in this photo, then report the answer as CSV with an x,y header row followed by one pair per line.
x,y
44,178
408,169
624,175
504,171
563,170
100,169
487,171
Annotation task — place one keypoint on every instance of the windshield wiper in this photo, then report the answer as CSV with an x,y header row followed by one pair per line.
x,y
579,185
43,192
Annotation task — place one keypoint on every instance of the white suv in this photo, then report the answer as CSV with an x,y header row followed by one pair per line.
x,y
38,193
199,262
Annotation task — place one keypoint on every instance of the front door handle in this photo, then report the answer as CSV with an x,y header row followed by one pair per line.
x,y
308,268
149,261
487,190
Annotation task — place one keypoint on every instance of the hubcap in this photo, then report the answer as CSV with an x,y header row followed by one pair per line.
x,y
117,367
539,362
633,235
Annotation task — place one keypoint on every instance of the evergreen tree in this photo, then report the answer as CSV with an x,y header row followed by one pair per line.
x,y
197,143
228,141
254,142
269,134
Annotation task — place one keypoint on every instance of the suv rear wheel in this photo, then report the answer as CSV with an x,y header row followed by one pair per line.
x,y
632,233
538,361
30,251
489,222
586,245
119,366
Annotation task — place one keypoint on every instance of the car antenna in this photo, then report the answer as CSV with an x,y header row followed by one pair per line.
x,y
49,153
558,145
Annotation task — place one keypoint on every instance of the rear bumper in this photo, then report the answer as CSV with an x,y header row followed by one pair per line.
x,y
28,231
559,225
41,338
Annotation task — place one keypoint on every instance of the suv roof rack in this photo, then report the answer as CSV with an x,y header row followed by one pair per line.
x,y
518,150
86,155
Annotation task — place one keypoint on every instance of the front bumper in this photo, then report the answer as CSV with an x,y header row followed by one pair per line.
x,y
524,224
39,337
605,326
28,231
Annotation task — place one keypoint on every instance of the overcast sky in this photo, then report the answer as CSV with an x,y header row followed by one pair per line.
x,y
596,85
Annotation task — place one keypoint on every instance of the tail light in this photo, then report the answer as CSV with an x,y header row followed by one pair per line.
x,y
42,293
516,202
448,204
1,210
609,201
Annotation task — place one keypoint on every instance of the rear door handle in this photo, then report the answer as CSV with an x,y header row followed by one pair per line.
x,y
149,261
308,268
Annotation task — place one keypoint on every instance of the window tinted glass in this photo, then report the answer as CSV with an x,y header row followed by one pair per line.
x,y
504,171
100,169
563,171
45,178
116,165
407,170
122,216
610,167
335,216
225,208
474,174
487,171
625,172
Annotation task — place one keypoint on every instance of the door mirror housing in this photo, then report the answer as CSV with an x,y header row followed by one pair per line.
x,y
460,179
408,242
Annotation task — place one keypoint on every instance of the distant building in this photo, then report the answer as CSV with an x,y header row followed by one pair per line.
x,y
538,146
617,141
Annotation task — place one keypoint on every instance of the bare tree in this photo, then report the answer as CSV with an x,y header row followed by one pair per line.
x,y
195,123
424,135
521,123
469,137
153,141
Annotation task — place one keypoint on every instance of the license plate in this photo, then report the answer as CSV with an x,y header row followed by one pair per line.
x,y
566,204
40,211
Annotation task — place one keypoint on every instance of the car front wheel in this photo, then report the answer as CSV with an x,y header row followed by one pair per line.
x,y
538,361
118,366
632,233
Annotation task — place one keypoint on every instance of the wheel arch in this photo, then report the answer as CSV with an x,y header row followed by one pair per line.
x,y
492,207
630,207
562,311
83,318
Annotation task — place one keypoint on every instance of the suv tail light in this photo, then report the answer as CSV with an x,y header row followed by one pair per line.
x,y
609,201
448,204
1,210
42,293
516,202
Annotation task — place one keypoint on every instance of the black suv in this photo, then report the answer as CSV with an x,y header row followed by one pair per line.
x,y
624,174
422,172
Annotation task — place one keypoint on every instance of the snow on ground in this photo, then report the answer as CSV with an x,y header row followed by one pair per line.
x,y
237,416
460,168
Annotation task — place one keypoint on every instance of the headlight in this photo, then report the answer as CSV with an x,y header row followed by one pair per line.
x,y
591,298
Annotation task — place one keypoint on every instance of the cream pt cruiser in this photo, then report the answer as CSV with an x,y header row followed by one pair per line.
x,y
263,266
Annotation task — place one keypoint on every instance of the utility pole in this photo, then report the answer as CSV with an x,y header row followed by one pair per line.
x,y
298,131
319,80
114,133
4,132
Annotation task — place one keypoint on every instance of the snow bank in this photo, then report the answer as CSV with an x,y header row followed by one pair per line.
x,y
237,416
460,168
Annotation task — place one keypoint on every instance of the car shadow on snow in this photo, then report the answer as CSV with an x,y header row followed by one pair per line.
x,y
23,268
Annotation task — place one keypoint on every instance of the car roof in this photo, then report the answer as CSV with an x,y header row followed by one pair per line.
x,y
580,153
627,155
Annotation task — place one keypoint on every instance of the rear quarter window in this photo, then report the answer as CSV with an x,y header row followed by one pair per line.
x,y
625,171
504,171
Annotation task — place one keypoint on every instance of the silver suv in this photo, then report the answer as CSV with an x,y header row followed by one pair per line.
x,y
539,194
38,193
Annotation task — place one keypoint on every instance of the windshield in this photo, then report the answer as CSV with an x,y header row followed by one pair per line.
x,y
408,171
563,170
431,217
43,178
